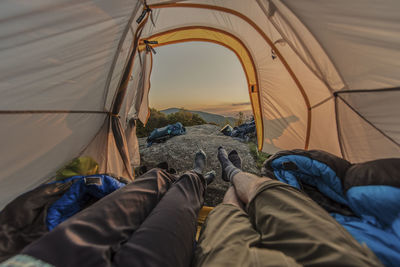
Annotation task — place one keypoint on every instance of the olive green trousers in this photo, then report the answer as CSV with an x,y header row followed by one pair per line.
x,y
280,227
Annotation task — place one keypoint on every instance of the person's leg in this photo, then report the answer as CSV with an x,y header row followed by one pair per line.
x,y
232,198
245,183
167,236
229,239
290,222
92,236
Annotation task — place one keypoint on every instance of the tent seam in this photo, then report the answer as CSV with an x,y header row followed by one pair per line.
x,y
295,51
368,90
338,128
322,47
117,52
322,102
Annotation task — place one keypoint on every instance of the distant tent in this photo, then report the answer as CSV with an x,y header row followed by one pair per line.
x,y
321,75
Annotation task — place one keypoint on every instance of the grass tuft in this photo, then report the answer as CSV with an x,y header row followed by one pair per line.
x,y
259,157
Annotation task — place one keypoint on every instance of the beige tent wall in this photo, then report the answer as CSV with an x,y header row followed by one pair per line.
x,y
35,145
120,62
360,140
135,95
137,85
324,134
315,89
360,37
102,149
302,42
144,108
362,44
57,56
366,125
55,60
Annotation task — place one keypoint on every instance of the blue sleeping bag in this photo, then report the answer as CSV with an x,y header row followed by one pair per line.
x,y
84,190
364,198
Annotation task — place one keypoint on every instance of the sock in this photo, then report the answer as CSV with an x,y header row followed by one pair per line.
x,y
228,169
235,159
199,162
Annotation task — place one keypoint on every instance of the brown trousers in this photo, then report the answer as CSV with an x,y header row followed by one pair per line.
x,y
150,222
280,227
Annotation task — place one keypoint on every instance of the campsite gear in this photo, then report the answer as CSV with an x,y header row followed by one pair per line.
x,y
150,222
162,134
34,213
72,73
279,227
84,191
244,131
363,197
226,130
228,169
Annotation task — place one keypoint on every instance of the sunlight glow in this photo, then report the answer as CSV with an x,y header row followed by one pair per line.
x,y
198,76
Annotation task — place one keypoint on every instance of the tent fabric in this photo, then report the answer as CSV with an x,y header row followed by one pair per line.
x,y
71,77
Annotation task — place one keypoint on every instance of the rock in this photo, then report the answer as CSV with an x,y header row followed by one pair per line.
x,y
179,153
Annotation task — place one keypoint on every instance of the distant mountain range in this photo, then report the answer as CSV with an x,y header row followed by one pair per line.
x,y
208,117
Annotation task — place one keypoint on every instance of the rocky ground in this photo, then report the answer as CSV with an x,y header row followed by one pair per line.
x,y
179,153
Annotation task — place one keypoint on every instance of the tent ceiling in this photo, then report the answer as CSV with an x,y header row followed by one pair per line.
x,y
361,38
327,75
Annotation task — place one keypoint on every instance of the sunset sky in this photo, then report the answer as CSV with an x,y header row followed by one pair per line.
x,y
198,76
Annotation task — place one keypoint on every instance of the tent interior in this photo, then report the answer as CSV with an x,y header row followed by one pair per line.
x,y
74,75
